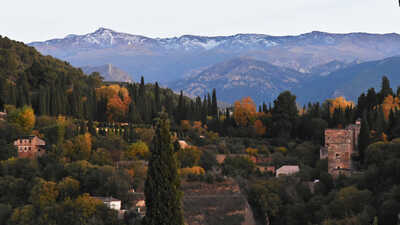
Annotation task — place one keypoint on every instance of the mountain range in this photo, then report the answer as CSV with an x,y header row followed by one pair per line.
x,y
241,77
256,65
350,81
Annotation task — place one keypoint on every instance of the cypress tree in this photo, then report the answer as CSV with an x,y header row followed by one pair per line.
x,y
157,97
380,122
264,108
204,111
214,104
209,105
372,98
180,114
91,128
363,137
386,90
162,188
142,87
198,108
134,93
169,104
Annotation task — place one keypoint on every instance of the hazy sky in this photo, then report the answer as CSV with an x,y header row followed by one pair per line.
x,y
28,20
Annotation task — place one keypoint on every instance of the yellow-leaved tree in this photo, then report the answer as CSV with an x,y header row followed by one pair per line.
x,y
137,150
80,148
244,112
339,102
390,103
23,118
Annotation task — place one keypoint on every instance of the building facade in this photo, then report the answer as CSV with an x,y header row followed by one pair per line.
x,y
30,147
340,147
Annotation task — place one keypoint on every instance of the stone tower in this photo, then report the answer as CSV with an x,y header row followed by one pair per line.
x,y
340,145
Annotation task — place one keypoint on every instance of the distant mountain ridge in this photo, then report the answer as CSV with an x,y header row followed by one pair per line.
x,y
241,77
350,81
255,65
109,72
168,59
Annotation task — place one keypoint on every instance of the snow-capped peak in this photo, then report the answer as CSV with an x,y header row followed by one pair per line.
x,y
106,38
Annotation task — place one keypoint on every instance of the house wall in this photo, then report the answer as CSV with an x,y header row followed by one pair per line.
x,y
30,148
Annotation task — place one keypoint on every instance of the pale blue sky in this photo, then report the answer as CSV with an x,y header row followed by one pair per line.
x,y
28,20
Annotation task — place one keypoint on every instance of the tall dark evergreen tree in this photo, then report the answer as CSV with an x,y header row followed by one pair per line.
x,y
214,104
209,104
363,138
142,87
380,122
372,98
91,128
204,111
386,89
181,109
284,114
157,98
162,188
264,108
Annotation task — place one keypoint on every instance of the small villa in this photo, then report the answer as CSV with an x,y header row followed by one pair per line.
x,y
30,146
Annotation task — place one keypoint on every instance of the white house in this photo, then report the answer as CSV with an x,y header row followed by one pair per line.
x,y
287,170
183,144
111,202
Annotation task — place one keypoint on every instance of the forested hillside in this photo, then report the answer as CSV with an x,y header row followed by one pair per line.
x,y
126,141
53,87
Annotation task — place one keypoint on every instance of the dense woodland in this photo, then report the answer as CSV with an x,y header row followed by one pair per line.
x,y
91,126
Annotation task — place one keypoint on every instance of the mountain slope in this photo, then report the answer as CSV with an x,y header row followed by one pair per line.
x,y
241,77
167,59
350,81
326,69
109,72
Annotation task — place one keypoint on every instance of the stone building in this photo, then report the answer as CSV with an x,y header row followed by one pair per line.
x,y
340,147
30,146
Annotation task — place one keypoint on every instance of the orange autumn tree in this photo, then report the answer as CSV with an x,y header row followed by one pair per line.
x,y
390,103
245,112
339,102
259,128
118,100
